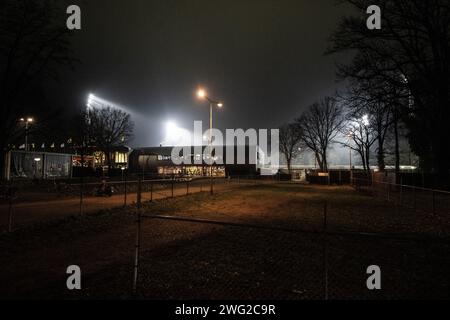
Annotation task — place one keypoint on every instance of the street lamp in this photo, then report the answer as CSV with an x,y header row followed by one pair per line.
x,y
123,170
36,163
202,94
27,122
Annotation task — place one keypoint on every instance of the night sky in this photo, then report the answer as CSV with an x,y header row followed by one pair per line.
x,y
263,58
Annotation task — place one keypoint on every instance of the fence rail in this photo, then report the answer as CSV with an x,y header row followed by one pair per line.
x,y
177,254
22,205
412,197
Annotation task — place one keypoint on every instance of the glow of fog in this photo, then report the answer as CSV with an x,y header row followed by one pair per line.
x,y
176,136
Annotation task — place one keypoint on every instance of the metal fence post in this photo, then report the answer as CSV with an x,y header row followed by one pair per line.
x,y
212,186
151,192
433,201
173,182
401,191
126,187
325,249
389,192
81,197
138,236
10,214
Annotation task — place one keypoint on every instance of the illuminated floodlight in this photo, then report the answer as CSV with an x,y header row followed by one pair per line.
x,y
91,98
171,127
176,136
100,103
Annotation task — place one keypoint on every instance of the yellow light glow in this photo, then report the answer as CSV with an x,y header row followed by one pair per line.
x,y
201,93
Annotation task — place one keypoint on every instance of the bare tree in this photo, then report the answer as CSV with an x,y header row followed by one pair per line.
x,y
361,137
320,125
290,143
108,127
372,97
414,42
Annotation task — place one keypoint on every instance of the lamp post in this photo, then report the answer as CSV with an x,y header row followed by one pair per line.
x,y
28,122
36,164
201,93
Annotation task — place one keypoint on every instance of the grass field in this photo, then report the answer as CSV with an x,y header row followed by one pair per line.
x,y
270,244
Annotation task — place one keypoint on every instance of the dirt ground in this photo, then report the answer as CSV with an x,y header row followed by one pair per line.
x,y
38,207
283,253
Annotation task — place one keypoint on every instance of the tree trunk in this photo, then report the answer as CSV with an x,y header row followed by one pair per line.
x,y
325,161
319,161
363,159
380,155
397,150
289,161
368,163
2,164
108,160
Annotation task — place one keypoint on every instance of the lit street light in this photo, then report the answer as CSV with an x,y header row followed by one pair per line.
x,y
201,93
27,122
123,170
36,164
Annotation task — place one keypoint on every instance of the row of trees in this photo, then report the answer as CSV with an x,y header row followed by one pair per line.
x,y
350,120
353,120
399,77
405,67
316,130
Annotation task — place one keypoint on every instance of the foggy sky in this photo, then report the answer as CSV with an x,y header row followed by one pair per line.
x,y
263,58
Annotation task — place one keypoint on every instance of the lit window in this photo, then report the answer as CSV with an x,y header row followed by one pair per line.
x,y
121,157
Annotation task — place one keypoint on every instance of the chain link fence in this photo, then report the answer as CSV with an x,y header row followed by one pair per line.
x,y
223,259
26,202
416,198
322,251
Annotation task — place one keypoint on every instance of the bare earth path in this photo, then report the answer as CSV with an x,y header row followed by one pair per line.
x,y
41,211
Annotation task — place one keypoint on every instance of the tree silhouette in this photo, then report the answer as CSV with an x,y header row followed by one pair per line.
x,y
290,143
414,43
320,125
108,127
35,43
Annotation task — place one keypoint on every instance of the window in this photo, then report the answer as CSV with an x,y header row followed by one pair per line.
x,y
121,157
